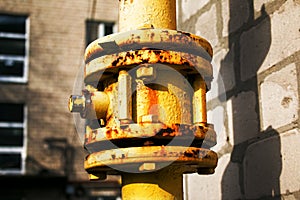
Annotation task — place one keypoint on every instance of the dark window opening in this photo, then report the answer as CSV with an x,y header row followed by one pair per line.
x,y
11,112
12,24
11,137
12,68
10,161
96,29
13,45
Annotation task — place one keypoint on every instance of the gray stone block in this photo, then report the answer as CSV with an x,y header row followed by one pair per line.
x,y
271,167
191,7
244,116
206,26
279,98
223,184
285,34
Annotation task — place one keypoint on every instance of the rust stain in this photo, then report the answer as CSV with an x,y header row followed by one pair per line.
x,y
153,134
193,158
152,107
151,39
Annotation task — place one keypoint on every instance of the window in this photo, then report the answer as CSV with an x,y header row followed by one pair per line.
x,y
13,48
12,138
96,29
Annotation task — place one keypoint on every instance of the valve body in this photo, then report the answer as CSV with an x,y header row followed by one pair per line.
x,y
145,104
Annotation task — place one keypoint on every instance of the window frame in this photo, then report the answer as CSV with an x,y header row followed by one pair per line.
x,y
100,29
24,58
22,150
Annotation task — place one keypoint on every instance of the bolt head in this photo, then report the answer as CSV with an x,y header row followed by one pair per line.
x,y
98,176
149,119
76,103
146,73
147,167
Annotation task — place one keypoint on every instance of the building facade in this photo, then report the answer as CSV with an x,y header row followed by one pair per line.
x,y
41,51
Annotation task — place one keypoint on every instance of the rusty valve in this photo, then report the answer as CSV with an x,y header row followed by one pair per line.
x,y
146,88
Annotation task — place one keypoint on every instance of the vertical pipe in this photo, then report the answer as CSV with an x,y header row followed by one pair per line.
x,y
136,14
199,101
165,184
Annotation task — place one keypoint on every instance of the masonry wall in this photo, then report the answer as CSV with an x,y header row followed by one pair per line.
x,y
57,43
254,101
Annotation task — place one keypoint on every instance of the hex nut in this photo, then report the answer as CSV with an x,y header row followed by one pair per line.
x,y
149,119
76,103
98,176
146,73
147,167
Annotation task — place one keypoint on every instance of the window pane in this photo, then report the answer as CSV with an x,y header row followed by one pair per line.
x,y
12,24
11,112
92,30
11,68
11,137
12,46
108,29
10,161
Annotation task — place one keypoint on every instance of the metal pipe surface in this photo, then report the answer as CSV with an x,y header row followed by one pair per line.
x,y
160,185
138,14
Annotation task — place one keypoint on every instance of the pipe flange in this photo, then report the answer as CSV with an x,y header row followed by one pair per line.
x,y
164,39
150,134
153,158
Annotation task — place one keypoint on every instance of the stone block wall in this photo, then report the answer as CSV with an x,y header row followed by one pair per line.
x,y
254,100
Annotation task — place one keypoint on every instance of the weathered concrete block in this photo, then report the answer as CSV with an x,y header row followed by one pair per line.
x,y
290,176
271,167
279,98
285,34
223,184
225,17
262,168
230,184
290,197
226,71
206,26
223,74
234,14
257,4
270,41
244,116
255,45
190,7
229,111
217,118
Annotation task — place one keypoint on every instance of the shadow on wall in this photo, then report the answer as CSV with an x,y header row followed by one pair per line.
x,y
62,158
255,164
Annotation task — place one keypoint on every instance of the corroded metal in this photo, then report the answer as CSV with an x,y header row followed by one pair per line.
x,y
91,105
124,97
106,66
136,14
189,159
164,39
149,134
153,185
145,103
199,101
167,97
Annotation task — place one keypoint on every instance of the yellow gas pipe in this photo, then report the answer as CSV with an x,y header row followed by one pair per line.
x,y
156,112
165,184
